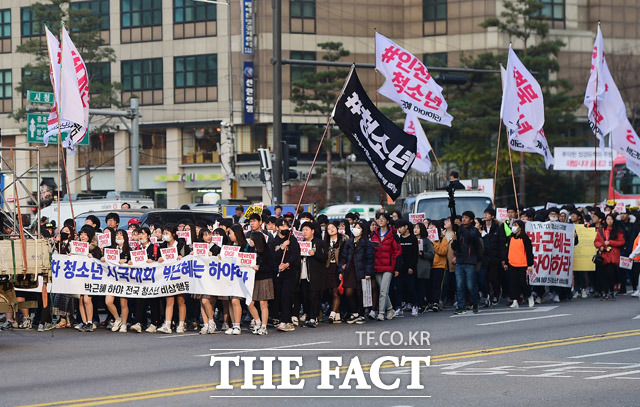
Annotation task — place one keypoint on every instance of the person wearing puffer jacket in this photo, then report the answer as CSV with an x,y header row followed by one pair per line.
x,y
609,241
356,264
426,253
440,259
388,263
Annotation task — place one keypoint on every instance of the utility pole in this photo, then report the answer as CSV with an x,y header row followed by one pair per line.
x,y
276,5
134,143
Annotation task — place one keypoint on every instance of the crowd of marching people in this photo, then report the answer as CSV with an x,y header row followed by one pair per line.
x,y
401,268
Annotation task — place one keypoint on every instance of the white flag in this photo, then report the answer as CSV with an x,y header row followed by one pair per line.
x,y
595,86
70,82
541,147
625,140
409,83
522,108
422,162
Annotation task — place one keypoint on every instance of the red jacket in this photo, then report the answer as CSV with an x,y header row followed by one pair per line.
x,y
388,252
615,243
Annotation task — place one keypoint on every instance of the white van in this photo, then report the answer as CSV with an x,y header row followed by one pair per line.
x,y
366,212
435,204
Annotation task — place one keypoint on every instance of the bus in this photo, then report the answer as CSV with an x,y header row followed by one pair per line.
x,y
624,184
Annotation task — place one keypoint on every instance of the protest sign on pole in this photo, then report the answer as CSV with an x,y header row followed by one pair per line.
x,y
552,244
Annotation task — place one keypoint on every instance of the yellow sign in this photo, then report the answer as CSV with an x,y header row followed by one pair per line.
x,y
583,252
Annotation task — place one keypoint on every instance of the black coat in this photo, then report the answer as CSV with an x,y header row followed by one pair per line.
x,y
316,264
357,257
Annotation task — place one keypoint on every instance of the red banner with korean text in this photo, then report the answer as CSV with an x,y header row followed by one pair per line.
x,y
552,244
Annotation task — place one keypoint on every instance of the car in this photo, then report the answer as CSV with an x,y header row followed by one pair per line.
x,y
175,216
366,212
125,216
435,204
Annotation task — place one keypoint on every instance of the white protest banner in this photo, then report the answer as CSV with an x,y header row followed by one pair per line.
x,y
626,141
229,252
153,240
584,159
417,217
552,244
409,84
501,214
186,235
216,240
191,275
139,257
551,205
104,239
246,259
304,248
420,245
432,234
79,248
367,298
200,249
112,256
626,263
169,254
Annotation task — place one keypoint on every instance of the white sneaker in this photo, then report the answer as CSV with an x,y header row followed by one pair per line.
x,y
253,325
556,298
282,326
398,313
294,320
165,329
151,329
116,325
136,327
181,329
538,300
372,314
380,317
531,301
414,311
636,293
123,328
233,331
576,295
514,304
204,330
263,330
211,329
390,314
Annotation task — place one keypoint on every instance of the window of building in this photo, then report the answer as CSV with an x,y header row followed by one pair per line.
x,y
5,30
297,71
99,152
302,16
196,78
99,77
194,19
435,59
28,28
6,91
553,10
142,77
153,146
141,20
99,8
434,17
200,144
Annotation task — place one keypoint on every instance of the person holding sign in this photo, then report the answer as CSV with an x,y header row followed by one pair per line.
x,y
312,273
120,242
287,261
441,249
334,242
263,285
170,241
609,241
236,236
356,264
153,254
519,263
61,302
87,234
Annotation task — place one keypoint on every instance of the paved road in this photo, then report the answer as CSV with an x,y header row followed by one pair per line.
x,y
584,352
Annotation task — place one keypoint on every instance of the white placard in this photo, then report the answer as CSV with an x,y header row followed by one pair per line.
x,y
246,259
552,244
626,263
305,247
420,245
104,239
79,248
201,249
139,257
298,235
620,208
230,251
432,234
217,240
186,235
367,298
112,256
153,239
169,254
417,217
502,214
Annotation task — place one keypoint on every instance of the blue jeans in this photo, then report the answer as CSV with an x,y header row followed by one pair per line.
x,y
466,278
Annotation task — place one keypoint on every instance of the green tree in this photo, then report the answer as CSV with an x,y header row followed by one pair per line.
x,y
83,28
471,142
317,92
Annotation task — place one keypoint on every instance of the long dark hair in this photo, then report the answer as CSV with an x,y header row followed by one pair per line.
x,y
221,232
423,230
125,246
239,234
615,228
259,242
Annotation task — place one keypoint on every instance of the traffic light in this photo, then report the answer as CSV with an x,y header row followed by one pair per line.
x,y
289,159
451,79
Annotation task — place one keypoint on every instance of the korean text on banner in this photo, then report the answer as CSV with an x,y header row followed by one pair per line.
x,y
190,275
422,162
408,82
552,253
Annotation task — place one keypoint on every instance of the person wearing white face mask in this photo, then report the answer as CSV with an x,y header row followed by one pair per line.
x,y
120,241
334,243
519,263
170,240
356,264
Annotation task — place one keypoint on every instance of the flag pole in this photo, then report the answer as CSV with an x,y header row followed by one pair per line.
x,y
495,171
595,138
513,179
375,81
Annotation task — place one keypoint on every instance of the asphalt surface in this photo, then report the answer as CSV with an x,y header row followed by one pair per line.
x,y
584,352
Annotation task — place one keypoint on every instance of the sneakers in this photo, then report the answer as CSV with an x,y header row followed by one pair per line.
x,y
531,301
224,327
414,311
262,330
331,318
165,329
88,327
79,327
286,327
372,315
181,328
233,331
211,328
612,297
460,311
151,329
636,293
435,307
61,324
136,327
538,300
475,308
254,325
360,320
275,322
583,293
576,295
399,313
116,325
311,323
390,314
26,324
123,328
556,298
514,304
294,320
204,330
352,318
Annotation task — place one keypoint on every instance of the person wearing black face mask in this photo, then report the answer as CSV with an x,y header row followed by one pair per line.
x,y
287,263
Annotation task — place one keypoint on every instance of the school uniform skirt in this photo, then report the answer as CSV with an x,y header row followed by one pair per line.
x,y
263,290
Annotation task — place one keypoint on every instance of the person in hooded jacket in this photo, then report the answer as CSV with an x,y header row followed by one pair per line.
x,y
466,245
519,263
388,263
609,241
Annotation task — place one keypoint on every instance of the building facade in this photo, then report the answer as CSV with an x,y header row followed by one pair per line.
x,y
188,63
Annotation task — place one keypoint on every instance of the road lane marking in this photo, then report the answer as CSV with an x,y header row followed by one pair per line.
x,y
245,350
198,388
636,317
507,311
611,352
177,335
606,376
522,319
